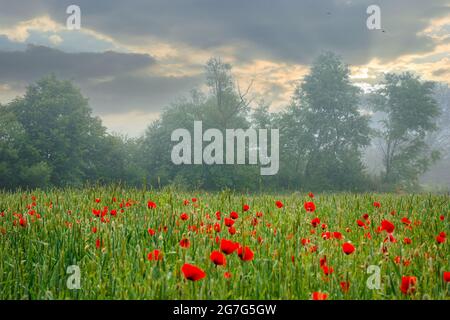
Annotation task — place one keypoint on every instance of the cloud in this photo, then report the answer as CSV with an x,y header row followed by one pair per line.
x,y
285,30
37,61
134,57
114,82
441,72
149,93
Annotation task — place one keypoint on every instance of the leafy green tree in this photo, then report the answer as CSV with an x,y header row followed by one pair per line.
x,y
223,107
323,131
64,139
18,166
410,112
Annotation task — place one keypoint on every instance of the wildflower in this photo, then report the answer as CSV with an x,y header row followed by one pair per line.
x,y
192,272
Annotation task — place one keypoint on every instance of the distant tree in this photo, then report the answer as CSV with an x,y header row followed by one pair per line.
x,y
261,117
223,107
60,141
410,112
439,139
324,130
18,165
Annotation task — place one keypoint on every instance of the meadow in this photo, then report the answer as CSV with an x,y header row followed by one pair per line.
x,y
141,244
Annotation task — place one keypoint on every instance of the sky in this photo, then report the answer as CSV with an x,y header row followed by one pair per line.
x,y
134,58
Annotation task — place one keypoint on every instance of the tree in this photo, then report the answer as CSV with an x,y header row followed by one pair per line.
x,y
324,130
18,165
223,107
410,112
56,120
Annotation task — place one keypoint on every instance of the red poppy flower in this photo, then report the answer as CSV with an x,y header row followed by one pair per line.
x,y
311,195
315,222
387,226
326,235
345,286
227,275
406,221
327,270
218,215
232,230
218,258
184,216
361,223
440,239
194,199
97,200
234,215
408,284
442,218
305,241
310,206
319,296
245,253
245,207
365,216
151,205
192,272
228,246
446,276
348,248
376,204
217,227
113,212
279,204
324,226
184,243
323,261
407,241
390,238
97,243
151,231
94,230
154,255
229,222
337,235
23,222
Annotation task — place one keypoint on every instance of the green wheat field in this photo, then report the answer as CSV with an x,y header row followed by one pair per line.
x,y
140,244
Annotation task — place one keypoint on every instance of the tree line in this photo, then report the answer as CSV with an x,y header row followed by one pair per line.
x,y
49,137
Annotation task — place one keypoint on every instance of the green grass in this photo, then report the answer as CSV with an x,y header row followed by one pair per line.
x,y
34,259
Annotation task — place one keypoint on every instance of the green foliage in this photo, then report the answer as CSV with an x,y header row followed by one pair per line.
x,y
410,112
323,131
49,137
114,262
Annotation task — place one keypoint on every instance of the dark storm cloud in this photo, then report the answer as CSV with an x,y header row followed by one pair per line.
x,y
142,93
37,61
282,30
441,72
111,80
